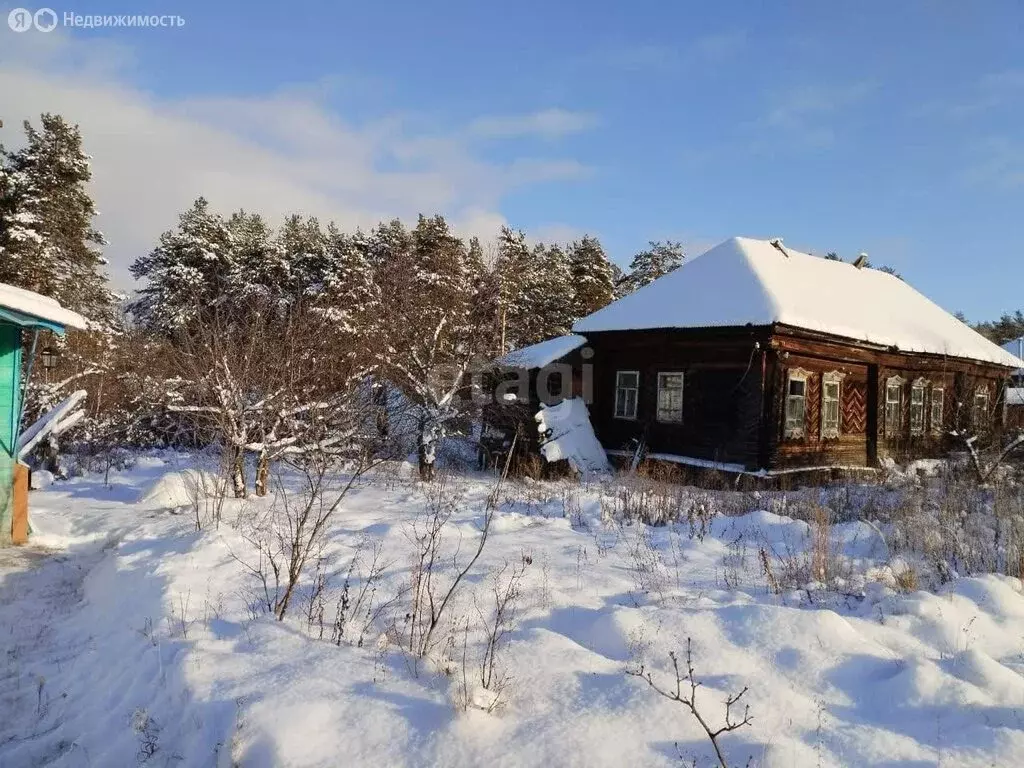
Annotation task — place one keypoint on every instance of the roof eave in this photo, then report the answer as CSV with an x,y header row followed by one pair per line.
x,y
23,320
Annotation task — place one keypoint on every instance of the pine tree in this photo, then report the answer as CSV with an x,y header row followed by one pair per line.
x,y
553,314
258,265
659,259
425,338
514,267
47,240
189,272
591,276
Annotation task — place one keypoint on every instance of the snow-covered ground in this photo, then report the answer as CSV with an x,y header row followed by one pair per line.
x,y
128,638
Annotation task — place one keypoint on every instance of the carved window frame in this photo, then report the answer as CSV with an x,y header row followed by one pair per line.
x,y
830,430
981,411
791,429
893,424
919,387
665,411
936,416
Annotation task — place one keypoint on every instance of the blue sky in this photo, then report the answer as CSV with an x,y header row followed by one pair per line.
x,y
892,128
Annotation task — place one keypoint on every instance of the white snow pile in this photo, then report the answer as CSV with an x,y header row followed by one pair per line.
x,y
566,433
743,281
41,479
136,640
1015,396
180,488
544,353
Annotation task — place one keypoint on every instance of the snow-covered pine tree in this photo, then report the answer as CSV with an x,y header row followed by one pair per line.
x,y
515,269
426,339
48,243
620,280
591,276
650,264
486,303
259,266
191,270
553,313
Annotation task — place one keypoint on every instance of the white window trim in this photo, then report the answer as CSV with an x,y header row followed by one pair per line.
x,y
921,385
794,374
982,389
832,377
889,383
636,399
941,390
657,402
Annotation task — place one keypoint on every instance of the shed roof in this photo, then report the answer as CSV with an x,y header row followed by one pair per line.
x,y
544,353
33,310
758,282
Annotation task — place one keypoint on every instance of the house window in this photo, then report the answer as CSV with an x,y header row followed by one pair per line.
x,y
796,403
893,406
938,396
830,405
981,412
627,386
670,397
917,407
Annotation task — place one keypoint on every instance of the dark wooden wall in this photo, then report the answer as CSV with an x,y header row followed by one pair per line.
x,y
721,391
868,370
734,396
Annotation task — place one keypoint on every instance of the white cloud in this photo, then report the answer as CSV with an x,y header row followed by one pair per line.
x,y
807,113
275,153
545,124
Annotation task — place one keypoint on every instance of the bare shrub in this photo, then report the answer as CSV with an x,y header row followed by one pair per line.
x,y
292,530
359,609
434,578
506,590
646,566
688,699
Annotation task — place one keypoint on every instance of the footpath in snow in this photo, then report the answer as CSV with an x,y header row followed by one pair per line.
x,y
131,639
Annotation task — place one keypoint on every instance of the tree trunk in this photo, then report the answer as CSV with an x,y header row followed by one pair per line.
x,y
262,473
425,454
426,466
238,472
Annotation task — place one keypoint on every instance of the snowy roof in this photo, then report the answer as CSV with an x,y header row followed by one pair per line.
x,y
539,355
1015,396
35,310
1016,348
744,281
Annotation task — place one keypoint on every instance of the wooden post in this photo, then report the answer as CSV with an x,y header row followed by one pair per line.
x,y
19,505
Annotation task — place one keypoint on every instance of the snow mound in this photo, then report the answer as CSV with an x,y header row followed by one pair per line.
x,y
41,479
566,433
179,489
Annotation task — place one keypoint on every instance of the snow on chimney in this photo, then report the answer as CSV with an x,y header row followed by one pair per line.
x,y
777,242
862,259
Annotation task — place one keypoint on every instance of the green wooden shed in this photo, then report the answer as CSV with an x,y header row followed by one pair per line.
x,y
20,311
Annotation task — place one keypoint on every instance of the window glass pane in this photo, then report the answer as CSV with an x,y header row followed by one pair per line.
x,y
627,379
670,397
796,387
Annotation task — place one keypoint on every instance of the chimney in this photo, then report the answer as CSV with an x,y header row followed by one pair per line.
x,y
777,242
862,259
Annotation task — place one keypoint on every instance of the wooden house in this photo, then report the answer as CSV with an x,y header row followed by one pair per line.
x,y
1015,394
754,356
20,311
